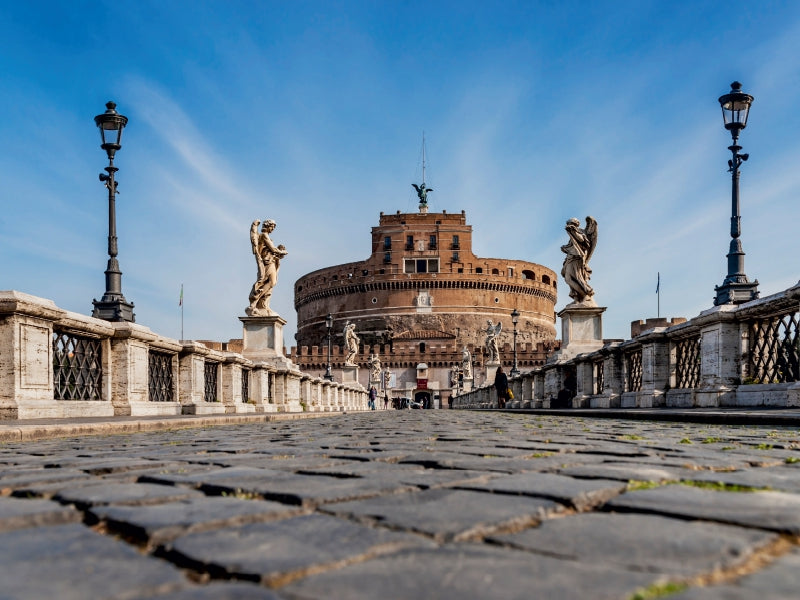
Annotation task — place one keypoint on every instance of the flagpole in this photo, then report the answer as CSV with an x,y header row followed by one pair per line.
x,y
658,293
181,303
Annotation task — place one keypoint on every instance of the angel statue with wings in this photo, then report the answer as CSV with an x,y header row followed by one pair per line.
x,y
422,192
579,250
268,260
492,349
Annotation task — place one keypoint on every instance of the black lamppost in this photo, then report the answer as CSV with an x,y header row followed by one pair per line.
x,y
329,325
515,320
735,289
112,306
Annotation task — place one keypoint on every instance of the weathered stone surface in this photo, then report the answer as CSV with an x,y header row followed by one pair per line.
x,y
278,551
503,528
71,562
18,513
623,472
778,581
467,571
651,543
451,514
123,493
157,523
229,590
776,478
582,494
775,511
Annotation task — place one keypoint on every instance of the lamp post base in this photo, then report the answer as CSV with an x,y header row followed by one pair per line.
x,y
736,292
113,309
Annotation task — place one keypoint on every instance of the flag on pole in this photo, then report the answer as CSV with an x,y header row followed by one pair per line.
x,y
180,300
658,285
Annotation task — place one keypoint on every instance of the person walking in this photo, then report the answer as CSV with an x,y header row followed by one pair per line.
x,y
373,393
501,385
385,400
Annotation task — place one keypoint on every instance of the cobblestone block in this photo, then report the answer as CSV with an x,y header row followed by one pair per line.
x,y
72,562
467,572
451,514
18,513
123,493
676,548
775,511
582,494
279,551
158,523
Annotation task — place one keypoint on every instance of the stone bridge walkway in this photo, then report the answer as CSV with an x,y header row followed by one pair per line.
x,y
406,504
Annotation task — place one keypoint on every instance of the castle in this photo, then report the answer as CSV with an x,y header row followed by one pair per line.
x,y
418,301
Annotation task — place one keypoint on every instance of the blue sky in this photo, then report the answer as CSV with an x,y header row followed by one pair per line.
x,y
312,113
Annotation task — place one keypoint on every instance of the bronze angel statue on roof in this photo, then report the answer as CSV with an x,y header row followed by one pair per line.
x,y
579,250
422,192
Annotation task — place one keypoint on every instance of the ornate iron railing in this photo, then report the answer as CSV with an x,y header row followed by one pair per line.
x,y
210,370
598,368
245,385
633,362
77,367
687,362
775,348
159,376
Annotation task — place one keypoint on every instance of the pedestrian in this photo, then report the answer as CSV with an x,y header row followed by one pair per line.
x,y
501,385
385,400
373,393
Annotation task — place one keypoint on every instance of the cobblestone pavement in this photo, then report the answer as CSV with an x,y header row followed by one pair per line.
x,y
406,504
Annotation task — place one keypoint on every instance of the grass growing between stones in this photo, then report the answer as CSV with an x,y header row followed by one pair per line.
x,y
719,486
637,484
659,590
685,441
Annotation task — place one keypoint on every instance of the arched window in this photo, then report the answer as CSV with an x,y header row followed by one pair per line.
x,y
528,274
495,272
545,279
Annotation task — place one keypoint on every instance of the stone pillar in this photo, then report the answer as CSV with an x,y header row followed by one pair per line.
x,y
720,351
584,373
232,371
130,360
655,368
193,379
613,383
260,389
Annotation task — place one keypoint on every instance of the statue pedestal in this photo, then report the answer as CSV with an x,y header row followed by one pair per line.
x,y
350,374
581,330
467,384
262,340
491,371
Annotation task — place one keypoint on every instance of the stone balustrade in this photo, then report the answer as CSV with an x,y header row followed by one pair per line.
x,y
728,356
56,364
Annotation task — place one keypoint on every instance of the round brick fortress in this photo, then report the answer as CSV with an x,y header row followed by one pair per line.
x,y
422,281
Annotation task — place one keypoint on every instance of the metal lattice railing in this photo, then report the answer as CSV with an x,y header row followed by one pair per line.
x,y
633,361
210,370
245,385
775,349
77,367
687,362
599,376
159,375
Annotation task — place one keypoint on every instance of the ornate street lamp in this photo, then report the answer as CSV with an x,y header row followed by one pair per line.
x,y
112,306
515,320
736,288
329,325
